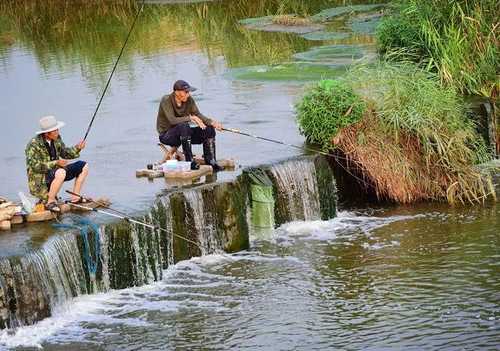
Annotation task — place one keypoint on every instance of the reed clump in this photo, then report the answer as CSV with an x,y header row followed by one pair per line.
x,y
456,39
413,141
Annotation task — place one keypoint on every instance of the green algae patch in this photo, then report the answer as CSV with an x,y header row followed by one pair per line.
x,y
331,54
323,35
121,256
182,226
230,202
331,13
293,71
328,188
366,23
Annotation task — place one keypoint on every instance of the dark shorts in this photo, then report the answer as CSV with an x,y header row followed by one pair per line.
x,y
73,170
173,136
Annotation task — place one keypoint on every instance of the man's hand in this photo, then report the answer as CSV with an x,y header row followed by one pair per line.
x,y
62,163
81,145
217,125
198,121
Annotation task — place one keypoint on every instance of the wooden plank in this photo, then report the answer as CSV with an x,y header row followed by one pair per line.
x,y
40,216
204,170
17,219
5,225
148,173
224,163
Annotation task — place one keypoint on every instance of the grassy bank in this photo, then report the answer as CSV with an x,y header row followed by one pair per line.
x,y
402,130
458,40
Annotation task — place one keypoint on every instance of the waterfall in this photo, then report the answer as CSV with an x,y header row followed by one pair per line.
x,y
296,190
33,285
201,220
204,222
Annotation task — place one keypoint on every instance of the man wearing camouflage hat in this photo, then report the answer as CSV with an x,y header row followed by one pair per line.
x,y
47,164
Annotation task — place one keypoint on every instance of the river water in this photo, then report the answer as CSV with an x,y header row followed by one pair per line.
x,y
421,277
414,278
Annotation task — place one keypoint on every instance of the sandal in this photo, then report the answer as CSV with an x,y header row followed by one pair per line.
x,y
53,207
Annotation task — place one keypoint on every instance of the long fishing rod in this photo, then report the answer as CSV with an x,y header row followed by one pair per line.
x,y
113,71
124,216
335,157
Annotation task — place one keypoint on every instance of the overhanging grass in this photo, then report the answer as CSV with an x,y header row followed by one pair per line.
x,y
456,39
414,141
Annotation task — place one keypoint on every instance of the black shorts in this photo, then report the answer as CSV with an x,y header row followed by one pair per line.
x,y
73,170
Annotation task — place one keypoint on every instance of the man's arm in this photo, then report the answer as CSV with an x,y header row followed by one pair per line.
x,y
68,152
195,111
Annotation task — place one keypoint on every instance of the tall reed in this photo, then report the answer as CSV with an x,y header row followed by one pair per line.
x,y
456,39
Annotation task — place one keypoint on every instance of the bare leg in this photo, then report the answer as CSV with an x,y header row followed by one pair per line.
x,y
56,184
79,181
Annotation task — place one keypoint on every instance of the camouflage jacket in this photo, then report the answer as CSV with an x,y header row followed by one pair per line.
x,y
38,163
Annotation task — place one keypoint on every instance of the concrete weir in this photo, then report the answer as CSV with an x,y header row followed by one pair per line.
x,y
213,218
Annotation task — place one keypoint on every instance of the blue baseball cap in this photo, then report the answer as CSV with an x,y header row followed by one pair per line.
x,y
183,85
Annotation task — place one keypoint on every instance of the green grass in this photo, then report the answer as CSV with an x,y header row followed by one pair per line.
x,y
408,99
456,39
329,106
407,133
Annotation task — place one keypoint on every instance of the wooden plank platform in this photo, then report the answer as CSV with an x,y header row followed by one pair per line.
x,y
228,164
65,208
148,173
44,216
204,170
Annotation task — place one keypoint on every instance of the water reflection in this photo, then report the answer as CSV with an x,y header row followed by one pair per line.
x,y
56,55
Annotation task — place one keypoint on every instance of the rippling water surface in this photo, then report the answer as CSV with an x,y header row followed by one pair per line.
x,y
400,278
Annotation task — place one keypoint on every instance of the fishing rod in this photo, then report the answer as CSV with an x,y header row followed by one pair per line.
x,y
302,148
113,71
124,216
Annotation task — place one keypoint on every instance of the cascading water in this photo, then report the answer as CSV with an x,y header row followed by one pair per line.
x,y
31,286
204,223
213,216
297,190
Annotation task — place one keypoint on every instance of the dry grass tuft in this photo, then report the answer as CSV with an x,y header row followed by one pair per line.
x,y
291,20
395,169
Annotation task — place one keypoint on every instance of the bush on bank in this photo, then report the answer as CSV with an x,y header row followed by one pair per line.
x,y
405,133
456,39
326,108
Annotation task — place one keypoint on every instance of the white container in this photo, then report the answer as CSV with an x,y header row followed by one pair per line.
x,y
184,166
170,166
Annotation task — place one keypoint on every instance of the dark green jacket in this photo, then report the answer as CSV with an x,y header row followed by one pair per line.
x,y
38,163
169,114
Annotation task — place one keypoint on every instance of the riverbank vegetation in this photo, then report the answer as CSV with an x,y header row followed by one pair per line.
x,y
401,130
456,39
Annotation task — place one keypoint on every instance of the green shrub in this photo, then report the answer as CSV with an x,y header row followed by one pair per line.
x,y
397,31
326,108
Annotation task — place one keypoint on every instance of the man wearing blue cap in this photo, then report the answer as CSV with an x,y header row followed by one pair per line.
x,y
177,110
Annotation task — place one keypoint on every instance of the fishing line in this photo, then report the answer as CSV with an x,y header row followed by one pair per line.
x,y
124,216
114,69
302,148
